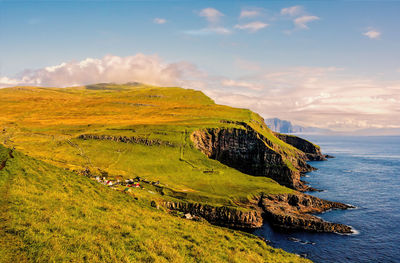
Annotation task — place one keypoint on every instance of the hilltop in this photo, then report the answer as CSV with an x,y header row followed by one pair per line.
x,y
185,153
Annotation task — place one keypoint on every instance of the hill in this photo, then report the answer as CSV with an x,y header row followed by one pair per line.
x,y
137,150
48,214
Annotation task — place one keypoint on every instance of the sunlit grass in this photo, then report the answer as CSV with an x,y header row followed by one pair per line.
x,y
48,214
43,123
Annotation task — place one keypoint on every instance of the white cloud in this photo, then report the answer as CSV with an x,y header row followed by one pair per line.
x,y
211,14
372,34
325,97
301,22
140,68
219,30
239,84
209,31
248,13
159,21
252,27
292,11
5,81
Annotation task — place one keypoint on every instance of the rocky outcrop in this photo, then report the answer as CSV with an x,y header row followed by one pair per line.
x,y
222,216
312,151
251,153
284,211
126,139
293,212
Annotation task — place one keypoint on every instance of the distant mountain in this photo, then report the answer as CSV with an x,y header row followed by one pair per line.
x,y
283,126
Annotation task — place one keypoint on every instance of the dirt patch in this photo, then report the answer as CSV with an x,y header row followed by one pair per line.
x,y
3,164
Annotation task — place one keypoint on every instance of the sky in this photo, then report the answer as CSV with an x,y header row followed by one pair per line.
x,y
327,64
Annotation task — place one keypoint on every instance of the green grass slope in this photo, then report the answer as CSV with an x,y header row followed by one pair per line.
x,y
49,214
45,123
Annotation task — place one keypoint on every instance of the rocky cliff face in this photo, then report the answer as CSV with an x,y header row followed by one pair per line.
x,y
312,151
222,216
126,139
250,153
292,212
285,211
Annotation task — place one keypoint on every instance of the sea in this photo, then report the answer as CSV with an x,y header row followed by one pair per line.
x,y
365,174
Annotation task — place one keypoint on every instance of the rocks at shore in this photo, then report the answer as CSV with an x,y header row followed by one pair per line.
x,y
283,211
294,212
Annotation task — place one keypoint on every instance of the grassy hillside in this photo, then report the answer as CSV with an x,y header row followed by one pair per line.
x,y
45,123
49,211
48,214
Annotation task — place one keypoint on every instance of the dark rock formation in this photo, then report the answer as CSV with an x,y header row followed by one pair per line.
x,y
312,151
126,139
222,216
284,211
292,212
251,153
3,164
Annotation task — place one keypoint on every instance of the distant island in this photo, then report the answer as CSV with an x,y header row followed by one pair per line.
x,y
284,126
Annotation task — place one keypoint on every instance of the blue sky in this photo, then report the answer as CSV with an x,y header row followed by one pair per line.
x,y
235,48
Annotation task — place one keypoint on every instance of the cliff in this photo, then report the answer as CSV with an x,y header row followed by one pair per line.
x,y
250,152
222,216
293,212
312,151
284,211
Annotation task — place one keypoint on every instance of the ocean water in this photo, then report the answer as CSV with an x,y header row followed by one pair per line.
x,y
366,174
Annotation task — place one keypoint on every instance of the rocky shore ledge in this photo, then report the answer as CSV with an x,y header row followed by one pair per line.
x,y
284,211
295,212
